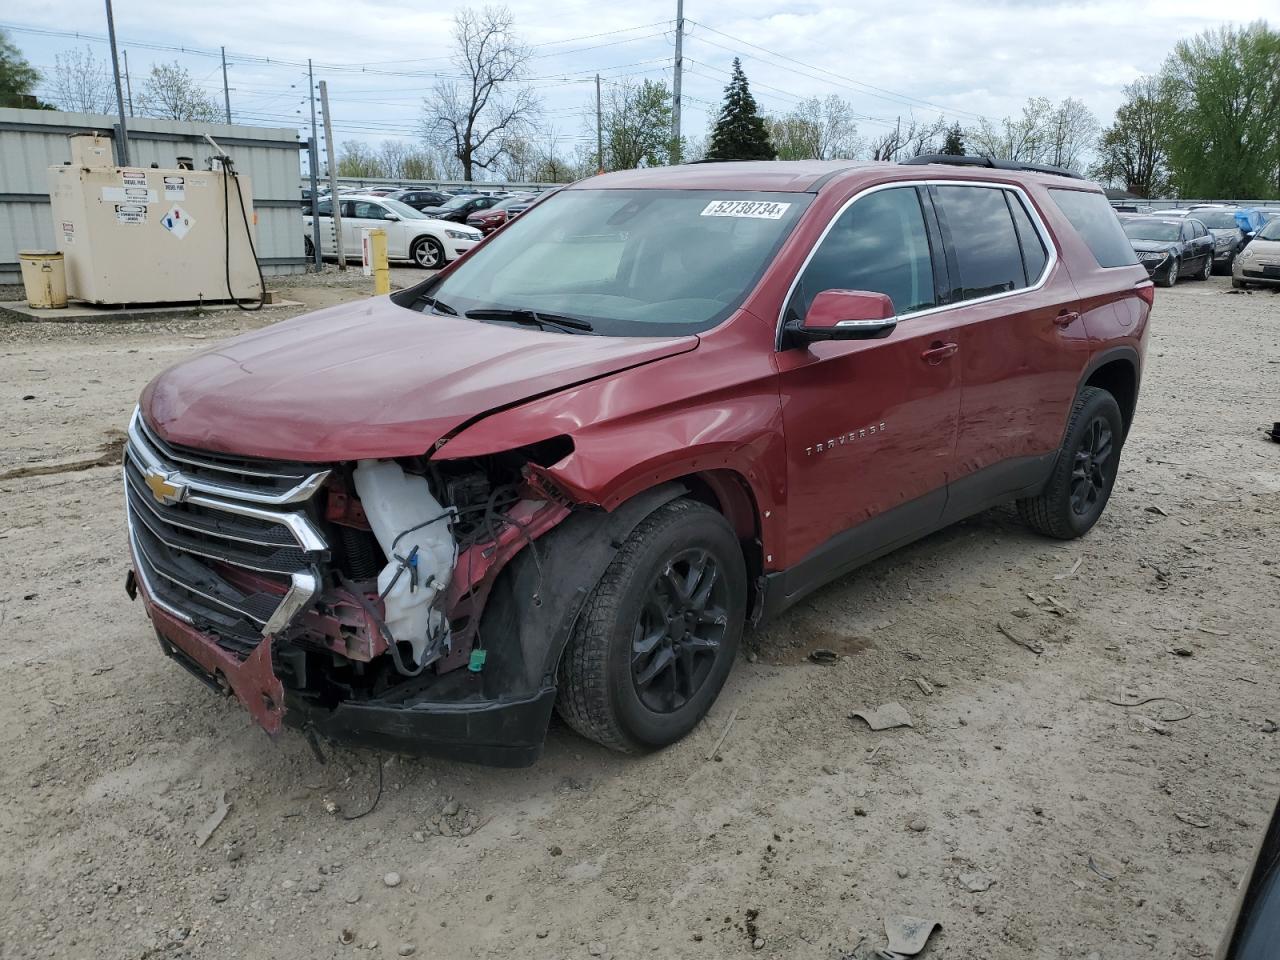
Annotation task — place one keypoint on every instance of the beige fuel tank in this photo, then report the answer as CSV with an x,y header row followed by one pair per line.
x,y
147,236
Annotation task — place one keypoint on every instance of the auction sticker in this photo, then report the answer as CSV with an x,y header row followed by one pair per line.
x,y
131,213
754,209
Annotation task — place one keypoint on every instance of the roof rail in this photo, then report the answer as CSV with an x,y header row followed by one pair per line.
x,y
992,163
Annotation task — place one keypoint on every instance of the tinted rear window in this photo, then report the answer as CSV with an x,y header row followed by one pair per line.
x,y
985,241
1097,225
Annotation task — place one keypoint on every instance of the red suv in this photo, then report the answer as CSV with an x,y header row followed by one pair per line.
x,y
567,471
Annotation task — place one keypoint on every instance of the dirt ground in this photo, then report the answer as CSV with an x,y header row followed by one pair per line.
x,y
1107,831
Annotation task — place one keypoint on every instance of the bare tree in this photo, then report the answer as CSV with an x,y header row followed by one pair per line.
x,y
170,94
552,166
475,118
816,129
1045,132
82,83
1072,130
913,138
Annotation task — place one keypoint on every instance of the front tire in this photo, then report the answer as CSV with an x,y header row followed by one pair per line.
x,y
659,634
427,253
1085,473
1238,284
1171,277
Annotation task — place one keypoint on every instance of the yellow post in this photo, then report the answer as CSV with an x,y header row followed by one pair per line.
x,y
378,259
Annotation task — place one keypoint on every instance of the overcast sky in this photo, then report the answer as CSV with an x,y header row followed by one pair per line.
x,y
910,57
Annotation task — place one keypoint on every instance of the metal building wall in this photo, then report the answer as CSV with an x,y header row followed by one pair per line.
x,y
31,141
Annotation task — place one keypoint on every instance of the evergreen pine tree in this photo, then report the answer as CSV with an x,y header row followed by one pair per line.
x,y
953,146
740,133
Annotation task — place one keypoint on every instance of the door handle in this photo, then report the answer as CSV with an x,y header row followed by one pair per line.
x,y
1066,318
939,352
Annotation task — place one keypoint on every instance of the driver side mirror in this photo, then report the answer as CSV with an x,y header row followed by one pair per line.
x,y
844,315
392,217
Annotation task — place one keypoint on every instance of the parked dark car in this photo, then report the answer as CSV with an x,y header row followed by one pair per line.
x,y
1254,933
462,206
491,219
421,199
1232,228
1171,247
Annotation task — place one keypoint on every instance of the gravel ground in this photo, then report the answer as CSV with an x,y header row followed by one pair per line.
x,y
1106,831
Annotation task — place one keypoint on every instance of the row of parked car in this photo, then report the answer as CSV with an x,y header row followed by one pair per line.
x,y
1196,241
425,227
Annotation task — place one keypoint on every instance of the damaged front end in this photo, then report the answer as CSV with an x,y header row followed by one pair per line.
x,y
412,604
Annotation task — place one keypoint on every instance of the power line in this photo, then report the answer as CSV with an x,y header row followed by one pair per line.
x,y
872,90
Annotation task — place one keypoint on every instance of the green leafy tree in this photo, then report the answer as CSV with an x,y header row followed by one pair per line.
x,y
740,132
953,145
1133,152
18,78
636,124
1225,88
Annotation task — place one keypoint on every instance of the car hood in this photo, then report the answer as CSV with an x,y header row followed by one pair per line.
x,y
372,379
1153,246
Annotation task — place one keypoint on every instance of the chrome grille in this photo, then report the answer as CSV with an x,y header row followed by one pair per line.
x,y
214,541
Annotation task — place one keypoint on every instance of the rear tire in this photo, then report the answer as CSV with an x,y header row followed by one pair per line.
x,y
1207,272
659,634
1085,473
309,249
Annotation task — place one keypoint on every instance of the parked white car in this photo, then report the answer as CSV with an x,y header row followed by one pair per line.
x,y
411,235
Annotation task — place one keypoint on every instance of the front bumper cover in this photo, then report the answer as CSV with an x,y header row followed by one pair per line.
x,y
504,732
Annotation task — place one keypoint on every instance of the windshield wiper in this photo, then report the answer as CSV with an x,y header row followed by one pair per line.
x,y
534,318
439,305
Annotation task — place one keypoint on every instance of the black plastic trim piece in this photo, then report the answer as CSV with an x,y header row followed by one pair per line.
x,y
991,163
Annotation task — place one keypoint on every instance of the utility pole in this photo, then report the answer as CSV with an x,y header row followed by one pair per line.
x,y
599,131
122,145
313,161
676,144
333,178
128,87
226,91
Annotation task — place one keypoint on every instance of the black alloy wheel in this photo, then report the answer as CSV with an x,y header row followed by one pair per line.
x,y
1084,473
1092,472
679,632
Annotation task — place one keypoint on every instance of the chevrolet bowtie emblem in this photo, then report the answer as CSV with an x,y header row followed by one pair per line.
x,y
163,489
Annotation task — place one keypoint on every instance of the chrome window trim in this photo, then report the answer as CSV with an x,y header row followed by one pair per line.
x,y
153,459
1046,238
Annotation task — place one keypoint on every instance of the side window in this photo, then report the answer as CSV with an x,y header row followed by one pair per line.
x,y
365,210
1188,231
1097,225
1034,255
879,244
325,207
985,241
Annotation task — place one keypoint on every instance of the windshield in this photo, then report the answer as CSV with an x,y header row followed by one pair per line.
x,y
1271,231
456,202
405,211
1151,229
1217,219
631,262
